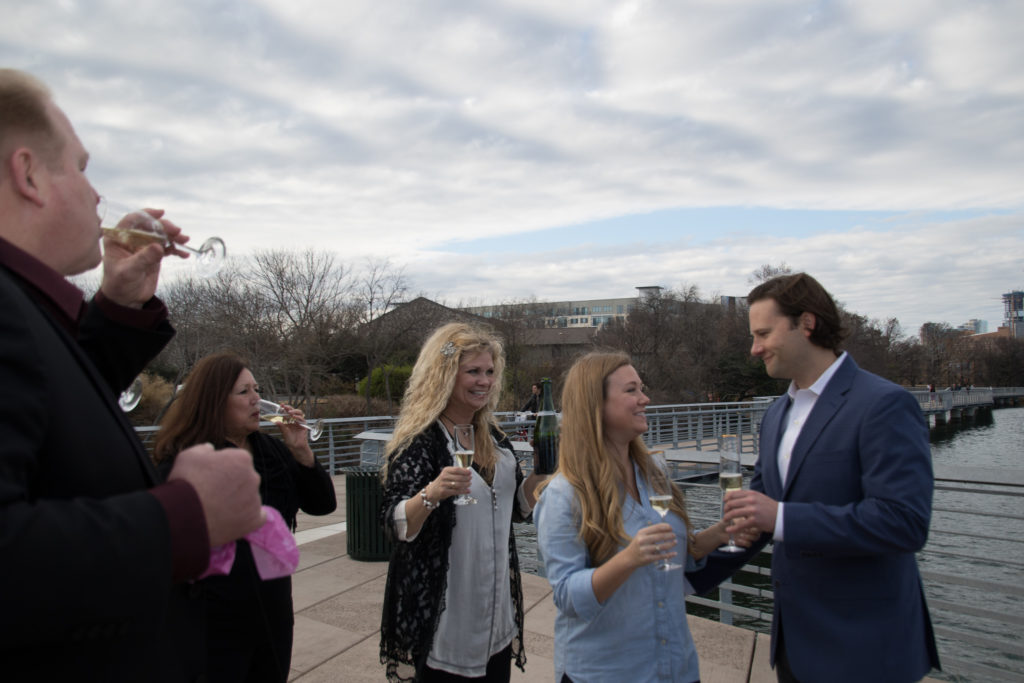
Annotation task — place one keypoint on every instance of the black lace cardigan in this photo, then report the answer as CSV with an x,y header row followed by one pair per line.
x,y
418,573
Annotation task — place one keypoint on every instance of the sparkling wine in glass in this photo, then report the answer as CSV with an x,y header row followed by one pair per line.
x,y
660,498
271,412
135,229
464,444
131,396
730,478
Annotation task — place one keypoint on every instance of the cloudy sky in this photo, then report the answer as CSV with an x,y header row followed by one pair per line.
x,y
507,149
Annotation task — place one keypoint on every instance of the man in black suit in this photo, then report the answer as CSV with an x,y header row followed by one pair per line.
x,y
95,552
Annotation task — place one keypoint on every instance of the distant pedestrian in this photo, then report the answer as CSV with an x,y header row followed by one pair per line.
x,y
533,403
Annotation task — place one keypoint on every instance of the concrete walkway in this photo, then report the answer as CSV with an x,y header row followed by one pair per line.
x,y
337,619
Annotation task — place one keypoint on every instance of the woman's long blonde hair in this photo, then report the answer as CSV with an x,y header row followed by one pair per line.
x,y
432,381
592,470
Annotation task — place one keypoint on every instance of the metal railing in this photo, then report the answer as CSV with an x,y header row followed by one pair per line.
x,y
698,425
336,448
678,426
971,568
948,399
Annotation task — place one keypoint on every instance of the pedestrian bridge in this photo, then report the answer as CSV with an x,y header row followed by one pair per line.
x,y
954,405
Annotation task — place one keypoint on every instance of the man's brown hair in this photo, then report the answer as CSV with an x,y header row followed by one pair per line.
x,y
800,293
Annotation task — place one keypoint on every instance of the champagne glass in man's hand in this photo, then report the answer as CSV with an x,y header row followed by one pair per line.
x,y
730,478
135,229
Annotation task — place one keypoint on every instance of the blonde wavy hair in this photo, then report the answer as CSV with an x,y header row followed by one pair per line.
x,y
592,470
432,381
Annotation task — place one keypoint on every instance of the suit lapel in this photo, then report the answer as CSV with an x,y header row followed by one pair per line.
x,y
772,434
825,408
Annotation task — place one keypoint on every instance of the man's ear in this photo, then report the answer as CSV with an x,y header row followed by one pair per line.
x,y
807,323
26,169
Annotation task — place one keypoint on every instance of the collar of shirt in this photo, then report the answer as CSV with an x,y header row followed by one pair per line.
x,y
822,382
62,297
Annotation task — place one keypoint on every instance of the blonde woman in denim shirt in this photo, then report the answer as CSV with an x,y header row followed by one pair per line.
x,y
619,617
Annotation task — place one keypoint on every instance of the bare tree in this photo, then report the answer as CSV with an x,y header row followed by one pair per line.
x,y
283,310
378,290
304,300
767,272
938,342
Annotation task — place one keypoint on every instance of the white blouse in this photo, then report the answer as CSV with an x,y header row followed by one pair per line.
x,y
478,620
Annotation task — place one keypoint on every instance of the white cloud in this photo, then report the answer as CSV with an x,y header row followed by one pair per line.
x,y
928,272
411,128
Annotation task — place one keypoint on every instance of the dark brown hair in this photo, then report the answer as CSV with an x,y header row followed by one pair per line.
x,y
198,412
800,293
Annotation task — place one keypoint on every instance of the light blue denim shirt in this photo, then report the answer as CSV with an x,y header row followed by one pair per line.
x,y
640,633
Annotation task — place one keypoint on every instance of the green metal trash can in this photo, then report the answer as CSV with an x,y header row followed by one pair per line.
x,y
364,495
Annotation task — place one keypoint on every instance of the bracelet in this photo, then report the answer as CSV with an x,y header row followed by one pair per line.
x,y
426,502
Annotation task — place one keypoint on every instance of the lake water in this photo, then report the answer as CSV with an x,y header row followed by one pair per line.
x,y
957,545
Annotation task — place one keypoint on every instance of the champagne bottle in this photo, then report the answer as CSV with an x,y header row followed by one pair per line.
x,y
545,433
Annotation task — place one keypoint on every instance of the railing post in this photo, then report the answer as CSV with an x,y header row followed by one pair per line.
x,y
330,448
725,597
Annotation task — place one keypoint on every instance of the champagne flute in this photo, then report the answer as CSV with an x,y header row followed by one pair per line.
x,y
730,478
660,497
135,229
271,412
131,396
464,444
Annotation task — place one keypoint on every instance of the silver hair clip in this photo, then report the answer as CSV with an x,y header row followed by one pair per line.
x,y
448,350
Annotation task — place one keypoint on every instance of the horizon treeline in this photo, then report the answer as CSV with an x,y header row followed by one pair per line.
x,y
312,326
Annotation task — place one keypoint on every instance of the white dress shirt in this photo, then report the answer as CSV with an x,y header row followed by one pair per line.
x,y
801,402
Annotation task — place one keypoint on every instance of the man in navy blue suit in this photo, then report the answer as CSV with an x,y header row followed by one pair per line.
x,y
843,487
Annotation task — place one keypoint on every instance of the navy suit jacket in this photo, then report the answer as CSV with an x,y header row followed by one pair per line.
x,y
857,506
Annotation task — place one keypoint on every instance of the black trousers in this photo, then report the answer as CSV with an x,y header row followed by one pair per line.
x,y
499,670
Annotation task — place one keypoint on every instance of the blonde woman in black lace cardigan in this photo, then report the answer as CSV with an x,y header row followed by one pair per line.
x,y
453,606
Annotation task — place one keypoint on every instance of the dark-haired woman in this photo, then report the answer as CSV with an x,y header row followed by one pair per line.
x,y
249,620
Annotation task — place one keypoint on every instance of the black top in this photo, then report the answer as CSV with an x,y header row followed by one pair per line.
x,y
249,621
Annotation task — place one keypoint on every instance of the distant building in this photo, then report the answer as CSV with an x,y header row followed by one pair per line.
x,y
975,326
565,314
1013,313
731,303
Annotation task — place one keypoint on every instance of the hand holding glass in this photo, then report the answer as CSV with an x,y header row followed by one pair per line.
x,y
135,229
661,500
464,444
730,478
272,412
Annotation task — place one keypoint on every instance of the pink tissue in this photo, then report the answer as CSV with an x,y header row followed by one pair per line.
x,y
273,549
